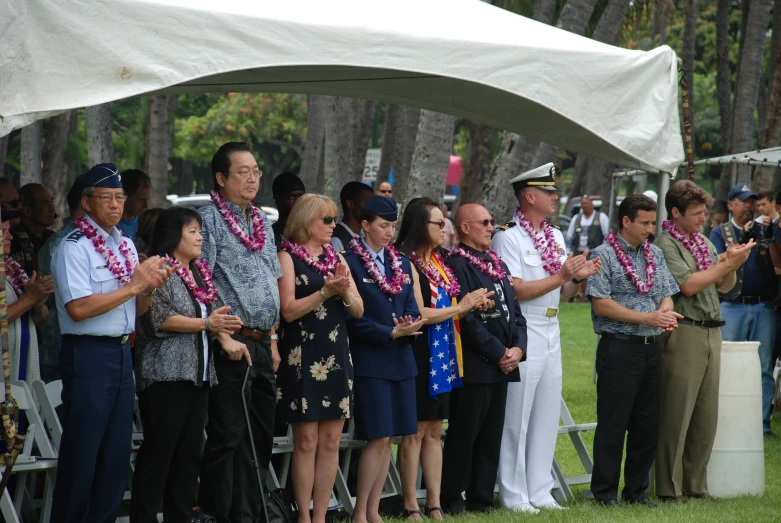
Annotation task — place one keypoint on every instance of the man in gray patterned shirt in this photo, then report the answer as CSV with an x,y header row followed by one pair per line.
x,y
631,307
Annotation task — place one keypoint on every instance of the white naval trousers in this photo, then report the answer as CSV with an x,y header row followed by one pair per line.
x,y
532,416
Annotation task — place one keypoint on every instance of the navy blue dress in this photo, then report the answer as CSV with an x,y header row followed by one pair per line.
x,y
385,369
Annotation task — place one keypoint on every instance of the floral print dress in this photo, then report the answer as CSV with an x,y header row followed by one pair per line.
x,y
315,378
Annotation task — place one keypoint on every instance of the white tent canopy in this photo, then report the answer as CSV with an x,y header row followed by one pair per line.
x,y
462,57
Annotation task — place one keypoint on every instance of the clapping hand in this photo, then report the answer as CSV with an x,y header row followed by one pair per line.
x,y
222,322
477,299
151,274
736,255
406,326
39,287
337,283
589,267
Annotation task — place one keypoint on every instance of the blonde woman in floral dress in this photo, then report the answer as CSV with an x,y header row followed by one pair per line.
x,y
315,378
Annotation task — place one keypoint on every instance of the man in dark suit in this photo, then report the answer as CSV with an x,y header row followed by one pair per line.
x,y
494,342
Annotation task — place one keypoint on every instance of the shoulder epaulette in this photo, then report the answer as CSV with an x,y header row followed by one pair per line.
x,y
554,226
508,225
343,252
75,236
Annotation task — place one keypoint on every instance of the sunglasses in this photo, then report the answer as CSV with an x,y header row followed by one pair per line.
x,y
387,191
485,223
328,220
441,223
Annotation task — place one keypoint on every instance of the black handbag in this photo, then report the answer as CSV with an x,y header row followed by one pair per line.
x,y
281,507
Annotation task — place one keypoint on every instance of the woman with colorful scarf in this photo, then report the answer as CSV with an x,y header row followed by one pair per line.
x,y
437,351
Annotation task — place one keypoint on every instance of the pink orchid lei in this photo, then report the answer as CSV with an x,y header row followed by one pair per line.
x,y
258,239
16,275
206,295
551,260
122,274
331,258
388,287
494,269
643,287
434,275
694,243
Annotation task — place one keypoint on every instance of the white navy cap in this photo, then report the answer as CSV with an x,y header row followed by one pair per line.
x,y
543,177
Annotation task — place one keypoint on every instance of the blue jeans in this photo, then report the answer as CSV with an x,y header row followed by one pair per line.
x,y
754,323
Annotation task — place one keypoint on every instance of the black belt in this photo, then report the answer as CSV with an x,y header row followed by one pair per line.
x,y
116,340
253,334
707,324
642,340
747,300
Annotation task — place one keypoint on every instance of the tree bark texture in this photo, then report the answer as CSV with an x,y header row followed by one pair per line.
x,y
31,151
99,136
430,162
401,156
544,11
575,15
660,23
3,153
478,165
771,132
390,134
515,156
57,169
689,46
723,88
159,134
348,124
312,159
609,25
747,86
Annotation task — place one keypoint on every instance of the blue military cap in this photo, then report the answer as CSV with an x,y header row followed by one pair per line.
x,y
741,191
383,207
103,175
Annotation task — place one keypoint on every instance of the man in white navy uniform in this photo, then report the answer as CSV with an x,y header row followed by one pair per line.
x,y
536,254
97,303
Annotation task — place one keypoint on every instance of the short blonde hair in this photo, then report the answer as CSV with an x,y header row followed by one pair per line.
x,y
307,209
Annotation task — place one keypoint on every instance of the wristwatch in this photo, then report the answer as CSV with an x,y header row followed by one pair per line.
x,y
274,337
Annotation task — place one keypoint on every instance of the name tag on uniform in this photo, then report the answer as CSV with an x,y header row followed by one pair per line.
x,y
531,251
101,266
368,280
406,279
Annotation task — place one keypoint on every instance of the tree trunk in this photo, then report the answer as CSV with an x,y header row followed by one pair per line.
x,y
579,178
56,170
544,10
575,15
610,22
478,165
747,87
159,134
723,89
390,135
430,162
514,158
315,140
689,45
3,153
348,124
405,148
660,23
771,132
31,150
99,136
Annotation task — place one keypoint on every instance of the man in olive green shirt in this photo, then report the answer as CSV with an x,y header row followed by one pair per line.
x,y
691,354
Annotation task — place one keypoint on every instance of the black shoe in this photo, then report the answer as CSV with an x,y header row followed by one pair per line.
x,y
770,435
479,508
608,503
673,499
641,501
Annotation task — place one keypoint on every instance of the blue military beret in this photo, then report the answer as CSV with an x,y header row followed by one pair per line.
x,y
383,207
103,175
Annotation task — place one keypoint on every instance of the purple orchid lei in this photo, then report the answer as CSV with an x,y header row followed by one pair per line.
x,y
494,269
331,258
16,275
551,260
122,274
205,296
434,275
258,239
388,287
694,243
643,287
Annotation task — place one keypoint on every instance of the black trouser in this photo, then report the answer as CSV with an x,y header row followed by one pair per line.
x,y
173,414
229,489
629,377
474,437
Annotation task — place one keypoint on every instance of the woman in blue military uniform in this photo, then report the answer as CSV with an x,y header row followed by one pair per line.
x,y
380,343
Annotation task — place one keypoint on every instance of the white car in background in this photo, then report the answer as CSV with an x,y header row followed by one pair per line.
x,y
195,201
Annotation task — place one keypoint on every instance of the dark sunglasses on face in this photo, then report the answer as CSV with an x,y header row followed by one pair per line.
x,y
386,191
441,223
328,220
485,223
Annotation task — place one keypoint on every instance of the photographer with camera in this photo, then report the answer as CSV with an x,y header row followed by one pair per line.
x,y
494,342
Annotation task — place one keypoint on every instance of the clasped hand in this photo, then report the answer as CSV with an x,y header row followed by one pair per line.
x,y
665,318
512,356
338,283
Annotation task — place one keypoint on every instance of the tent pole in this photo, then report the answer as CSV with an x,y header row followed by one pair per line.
x,y
661,213
612,209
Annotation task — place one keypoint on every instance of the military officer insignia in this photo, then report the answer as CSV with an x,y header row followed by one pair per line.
x,y
406,279
75,236
508,225
22,235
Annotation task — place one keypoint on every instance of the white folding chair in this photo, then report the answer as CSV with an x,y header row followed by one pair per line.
x,y
561,488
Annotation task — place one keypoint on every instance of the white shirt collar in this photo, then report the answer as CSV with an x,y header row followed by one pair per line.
x,y
347,227
380,255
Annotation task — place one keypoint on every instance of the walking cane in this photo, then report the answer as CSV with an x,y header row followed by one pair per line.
x,y
258,475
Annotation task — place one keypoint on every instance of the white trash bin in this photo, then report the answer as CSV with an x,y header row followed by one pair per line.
x,y
737,464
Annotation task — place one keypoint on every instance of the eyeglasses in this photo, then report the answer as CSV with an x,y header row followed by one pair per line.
x,y
441,223
13,204
106,198
386,191
257,173
485,223
328,220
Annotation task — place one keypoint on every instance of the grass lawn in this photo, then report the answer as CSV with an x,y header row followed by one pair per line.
x,y
578,348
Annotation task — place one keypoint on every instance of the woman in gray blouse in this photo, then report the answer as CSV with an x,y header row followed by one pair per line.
x,y
174,369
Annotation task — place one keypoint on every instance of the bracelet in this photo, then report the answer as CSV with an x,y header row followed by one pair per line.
x,y
149,294
206,324
351,303
576,282
322,293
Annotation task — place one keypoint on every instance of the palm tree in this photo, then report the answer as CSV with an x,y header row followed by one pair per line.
x,y
100,141
433,146
159,134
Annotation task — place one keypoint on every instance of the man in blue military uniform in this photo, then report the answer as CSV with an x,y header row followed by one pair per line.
x,y
97,286
494,342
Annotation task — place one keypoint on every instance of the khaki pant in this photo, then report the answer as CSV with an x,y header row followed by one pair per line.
x,y
691,361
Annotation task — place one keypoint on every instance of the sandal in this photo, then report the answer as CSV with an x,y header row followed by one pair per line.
x,y
407,513
428,510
